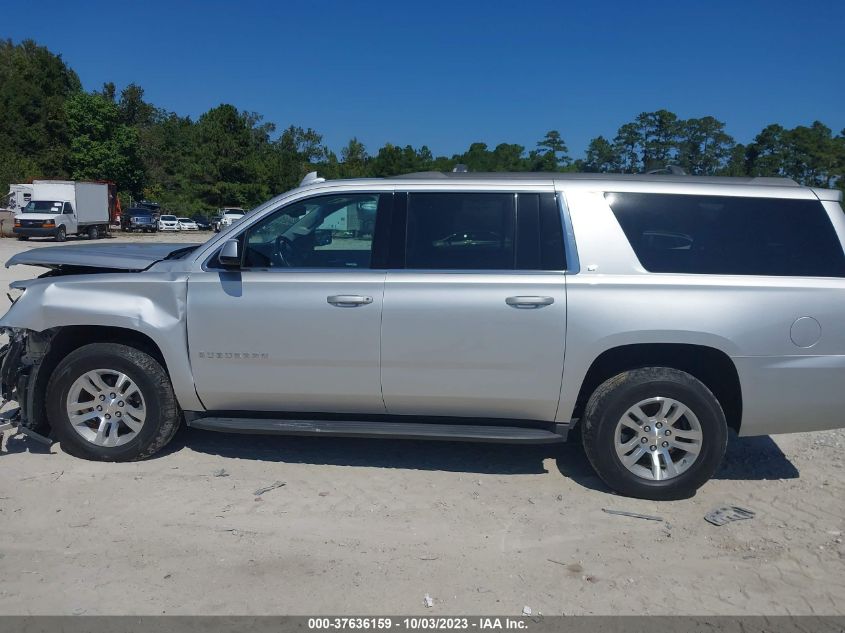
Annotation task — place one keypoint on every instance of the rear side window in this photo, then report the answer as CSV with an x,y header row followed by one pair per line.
x,y
460,231
725,235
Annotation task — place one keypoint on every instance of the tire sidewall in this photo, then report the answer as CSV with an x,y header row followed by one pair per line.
x,y
75,365
697,398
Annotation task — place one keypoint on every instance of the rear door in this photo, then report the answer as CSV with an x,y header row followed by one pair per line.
x,y
474,317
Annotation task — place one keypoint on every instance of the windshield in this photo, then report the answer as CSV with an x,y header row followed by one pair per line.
x,y
168,218
185,220
238,214
43,206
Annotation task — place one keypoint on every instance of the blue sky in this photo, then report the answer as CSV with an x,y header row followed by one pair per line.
x,y
450,73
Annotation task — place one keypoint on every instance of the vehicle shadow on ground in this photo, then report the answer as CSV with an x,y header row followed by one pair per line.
x,y
752,458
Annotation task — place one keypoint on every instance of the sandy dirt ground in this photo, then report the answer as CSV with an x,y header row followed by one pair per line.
x,y
372,526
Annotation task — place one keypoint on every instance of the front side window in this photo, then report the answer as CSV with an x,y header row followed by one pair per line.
x,y
68,208
725,235
334,231
460,231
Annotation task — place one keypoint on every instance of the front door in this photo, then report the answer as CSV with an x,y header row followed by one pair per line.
x,y
297,329
69,218
475,323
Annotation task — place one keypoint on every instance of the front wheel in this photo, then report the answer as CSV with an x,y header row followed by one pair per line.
x,y
110,402
654,433
61,234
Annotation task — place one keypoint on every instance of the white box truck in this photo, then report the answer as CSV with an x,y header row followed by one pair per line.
x,y
18,197
59,208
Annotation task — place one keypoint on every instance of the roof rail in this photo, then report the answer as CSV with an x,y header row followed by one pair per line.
x,y
582,176
311,178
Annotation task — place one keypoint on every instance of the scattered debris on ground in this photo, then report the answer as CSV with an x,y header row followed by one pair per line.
x,y
726,514
273,486
633,515
427,601
526,610
220,472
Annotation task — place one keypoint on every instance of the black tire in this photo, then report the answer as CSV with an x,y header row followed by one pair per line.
x,y
162,411
93,233
23,238
615,396
61,234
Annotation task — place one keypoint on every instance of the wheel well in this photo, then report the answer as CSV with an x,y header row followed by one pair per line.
x,y
69,338
711,366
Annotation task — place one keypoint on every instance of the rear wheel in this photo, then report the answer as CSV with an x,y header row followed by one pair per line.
x,y
93,233
111,402
654,433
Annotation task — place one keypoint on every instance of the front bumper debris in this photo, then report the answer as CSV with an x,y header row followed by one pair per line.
x,y
20,361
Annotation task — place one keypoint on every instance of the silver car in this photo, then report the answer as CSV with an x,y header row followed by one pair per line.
x,y
653,313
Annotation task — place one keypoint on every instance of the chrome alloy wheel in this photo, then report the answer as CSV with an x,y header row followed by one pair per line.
x,y
106,407
658,438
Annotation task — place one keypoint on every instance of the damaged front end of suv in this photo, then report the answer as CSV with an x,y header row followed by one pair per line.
x,y
88,294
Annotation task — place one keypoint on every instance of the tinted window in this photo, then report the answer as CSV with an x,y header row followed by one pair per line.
x,y
539,233
323,232
729,235
460,231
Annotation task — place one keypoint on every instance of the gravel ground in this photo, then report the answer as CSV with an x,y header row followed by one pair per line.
x,y
372,526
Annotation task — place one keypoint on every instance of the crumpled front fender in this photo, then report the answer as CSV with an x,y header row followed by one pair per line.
x,y
151,303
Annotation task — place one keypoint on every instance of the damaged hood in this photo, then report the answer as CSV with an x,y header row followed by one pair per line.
x,y
129,257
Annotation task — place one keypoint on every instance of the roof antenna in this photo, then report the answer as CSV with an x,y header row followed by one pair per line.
x,y
311,178
460,168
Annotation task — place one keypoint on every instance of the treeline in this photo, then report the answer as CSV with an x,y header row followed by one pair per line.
x,y
51,128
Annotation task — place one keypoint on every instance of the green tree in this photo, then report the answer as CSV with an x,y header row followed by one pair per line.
x,y
555,148
704,146
659,138
34,84
626,146
393,160
766,155
101,147
601,156
133,109
227,157
354,157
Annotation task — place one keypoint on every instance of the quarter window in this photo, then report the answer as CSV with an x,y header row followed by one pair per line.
x,y
729,235
460,231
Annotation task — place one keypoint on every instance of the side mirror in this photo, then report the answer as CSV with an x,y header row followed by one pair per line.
x,y
230,256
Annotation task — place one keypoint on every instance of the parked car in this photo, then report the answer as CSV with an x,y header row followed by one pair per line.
x,y
228,217
202,223
138,219
186,224
168,223
685,307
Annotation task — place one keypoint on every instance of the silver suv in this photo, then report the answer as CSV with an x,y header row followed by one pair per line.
x,y
651,313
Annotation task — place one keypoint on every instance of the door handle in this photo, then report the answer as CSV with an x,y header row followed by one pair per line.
x,y
349,301
529,302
